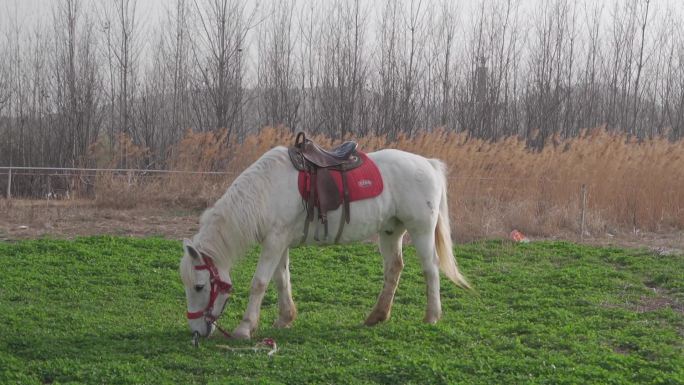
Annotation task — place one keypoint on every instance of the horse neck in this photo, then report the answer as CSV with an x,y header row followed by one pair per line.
x,y
236,221
230,228
214,239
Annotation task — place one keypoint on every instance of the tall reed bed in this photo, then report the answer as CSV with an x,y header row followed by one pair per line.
x,y
493,186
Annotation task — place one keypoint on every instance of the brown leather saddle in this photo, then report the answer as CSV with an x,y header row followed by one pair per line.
x,y
324,194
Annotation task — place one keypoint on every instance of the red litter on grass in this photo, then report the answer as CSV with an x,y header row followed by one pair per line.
x,y
519,237
270,342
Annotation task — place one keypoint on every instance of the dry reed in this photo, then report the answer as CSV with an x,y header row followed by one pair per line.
x,y
493,186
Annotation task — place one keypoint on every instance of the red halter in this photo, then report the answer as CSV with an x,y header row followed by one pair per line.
x,y
218,286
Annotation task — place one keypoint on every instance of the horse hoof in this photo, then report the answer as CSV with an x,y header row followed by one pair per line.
x,y
375,318
241,334
431,319
280,324
370,322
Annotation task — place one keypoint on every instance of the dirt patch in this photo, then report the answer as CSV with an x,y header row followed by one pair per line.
x,y
623,350
661,300
25,219
649,304
666,242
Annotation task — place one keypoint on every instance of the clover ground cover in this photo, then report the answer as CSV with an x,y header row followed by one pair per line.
x,y
111,310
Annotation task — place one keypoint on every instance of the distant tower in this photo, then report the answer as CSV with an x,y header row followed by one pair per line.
x,y
481,73
481,79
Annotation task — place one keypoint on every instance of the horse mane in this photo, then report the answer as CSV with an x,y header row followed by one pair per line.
x,y
237,220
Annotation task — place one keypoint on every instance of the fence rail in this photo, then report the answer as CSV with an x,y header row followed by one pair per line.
x,y
60,182
45,188
70,182
15,178
4,170
123,170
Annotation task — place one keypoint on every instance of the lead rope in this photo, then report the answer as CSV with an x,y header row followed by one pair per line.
x,y
196,336
265,344
225,333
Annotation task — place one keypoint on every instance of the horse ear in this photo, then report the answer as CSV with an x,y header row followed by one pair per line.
x,y
190,249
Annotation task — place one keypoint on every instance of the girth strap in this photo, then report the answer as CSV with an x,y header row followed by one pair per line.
x,y
345,216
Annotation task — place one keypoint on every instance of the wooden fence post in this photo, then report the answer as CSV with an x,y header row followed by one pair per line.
x,y
9,184
584,207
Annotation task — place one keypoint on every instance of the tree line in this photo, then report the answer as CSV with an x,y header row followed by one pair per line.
x,y
492,68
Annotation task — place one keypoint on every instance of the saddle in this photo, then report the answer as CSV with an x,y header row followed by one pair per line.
x,y
324,194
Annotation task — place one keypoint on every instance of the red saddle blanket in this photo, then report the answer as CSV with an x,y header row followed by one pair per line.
x,y
363,182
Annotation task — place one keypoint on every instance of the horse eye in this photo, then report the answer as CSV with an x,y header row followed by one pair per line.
x,y
199,287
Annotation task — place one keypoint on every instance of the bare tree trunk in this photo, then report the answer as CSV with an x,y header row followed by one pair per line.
x,y
280,99
218,56
640,66
76,89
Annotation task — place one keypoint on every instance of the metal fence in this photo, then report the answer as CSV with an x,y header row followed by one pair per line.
x,y
62,182
69,182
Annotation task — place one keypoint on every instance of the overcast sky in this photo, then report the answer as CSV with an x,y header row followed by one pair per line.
x,y
31,11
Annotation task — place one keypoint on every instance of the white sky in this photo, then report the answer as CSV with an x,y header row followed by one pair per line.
x,y
27,14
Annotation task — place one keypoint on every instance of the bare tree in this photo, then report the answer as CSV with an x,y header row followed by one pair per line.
x,y
4,80
343,70
166,93
179,48
344,67
673,79
308,82
444,52
123,54
550,68
219,59
76,88
388,88
639,64
589,107
17,105
277,73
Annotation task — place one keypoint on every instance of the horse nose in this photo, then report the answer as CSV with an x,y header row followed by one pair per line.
x,y
199,327
210,329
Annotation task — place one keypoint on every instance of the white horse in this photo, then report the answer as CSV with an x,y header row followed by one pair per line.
x,y
263,206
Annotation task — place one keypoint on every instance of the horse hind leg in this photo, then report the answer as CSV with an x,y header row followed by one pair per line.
x,y
393,262
286,307
425,247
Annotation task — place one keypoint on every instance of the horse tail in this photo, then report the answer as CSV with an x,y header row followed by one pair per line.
x,y
443,242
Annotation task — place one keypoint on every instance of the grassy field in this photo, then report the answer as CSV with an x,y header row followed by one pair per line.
x,y
111,310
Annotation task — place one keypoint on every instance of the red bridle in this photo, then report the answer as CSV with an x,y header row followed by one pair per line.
x,y
218,286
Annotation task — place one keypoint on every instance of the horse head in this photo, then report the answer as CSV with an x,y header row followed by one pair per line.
x,y
206,288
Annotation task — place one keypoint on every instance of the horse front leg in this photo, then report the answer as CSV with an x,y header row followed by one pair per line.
x,y
269,260
286,307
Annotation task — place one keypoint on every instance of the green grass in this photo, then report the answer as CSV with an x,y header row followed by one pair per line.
x,y
111,310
